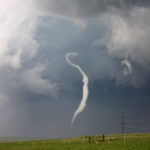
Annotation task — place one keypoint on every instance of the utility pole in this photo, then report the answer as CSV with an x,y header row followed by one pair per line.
x,y
122,124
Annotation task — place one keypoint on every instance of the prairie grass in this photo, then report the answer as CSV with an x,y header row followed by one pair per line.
x,y
112,142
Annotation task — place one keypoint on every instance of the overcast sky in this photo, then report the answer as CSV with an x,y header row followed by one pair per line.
x,y
40,91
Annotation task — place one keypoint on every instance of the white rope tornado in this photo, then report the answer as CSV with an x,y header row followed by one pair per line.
x,y
85,86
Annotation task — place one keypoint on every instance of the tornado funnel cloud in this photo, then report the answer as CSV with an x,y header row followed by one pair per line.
x,y
128,69
85,86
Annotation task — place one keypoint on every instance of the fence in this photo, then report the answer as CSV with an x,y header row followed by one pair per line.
x,y
116,139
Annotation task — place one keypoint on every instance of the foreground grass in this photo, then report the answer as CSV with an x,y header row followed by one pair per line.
x,y
113,142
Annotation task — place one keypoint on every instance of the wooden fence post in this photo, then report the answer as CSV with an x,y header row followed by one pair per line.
x,y
89,139
142,139
83,140
103,137
95,139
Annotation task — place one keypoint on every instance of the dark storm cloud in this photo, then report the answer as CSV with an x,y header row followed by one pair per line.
x,y
81,9
125,33
18,47
39,91
126,38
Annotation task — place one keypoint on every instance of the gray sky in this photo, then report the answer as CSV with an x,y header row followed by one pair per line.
x,y
40,91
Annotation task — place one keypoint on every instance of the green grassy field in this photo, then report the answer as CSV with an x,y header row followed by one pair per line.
x,y
113,142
